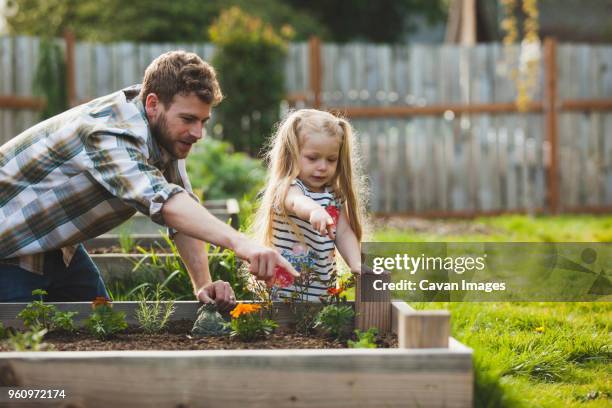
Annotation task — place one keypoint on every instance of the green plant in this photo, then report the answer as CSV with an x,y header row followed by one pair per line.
x,y
37,313
3,332
153,316
249,58
64,321
30,340
104,322
219,172
126,241
335,320
248,325
364,339
50,78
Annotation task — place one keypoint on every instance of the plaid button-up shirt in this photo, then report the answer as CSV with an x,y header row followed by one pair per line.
x,y
80,174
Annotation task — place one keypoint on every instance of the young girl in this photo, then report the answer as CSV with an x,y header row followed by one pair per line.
x,y
310,205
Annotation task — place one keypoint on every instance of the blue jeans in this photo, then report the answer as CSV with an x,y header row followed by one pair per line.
x,y
79,281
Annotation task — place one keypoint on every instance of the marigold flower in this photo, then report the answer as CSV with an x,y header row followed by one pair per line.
x,y
243,309
99,301
335,291
539,329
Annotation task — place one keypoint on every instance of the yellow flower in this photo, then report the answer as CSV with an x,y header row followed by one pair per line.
x,y
243,309
540,329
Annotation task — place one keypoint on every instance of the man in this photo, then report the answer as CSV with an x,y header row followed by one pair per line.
x,y
87,170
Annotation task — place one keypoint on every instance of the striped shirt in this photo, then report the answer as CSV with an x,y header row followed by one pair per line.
x,y
80,174
311,251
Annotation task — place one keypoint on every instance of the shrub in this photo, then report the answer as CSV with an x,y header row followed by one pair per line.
x,y
249,60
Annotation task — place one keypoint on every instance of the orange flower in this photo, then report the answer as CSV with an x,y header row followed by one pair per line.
x,y
335,291
243,309
99,301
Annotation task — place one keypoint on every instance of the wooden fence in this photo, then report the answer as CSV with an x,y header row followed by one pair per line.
x,y
439,131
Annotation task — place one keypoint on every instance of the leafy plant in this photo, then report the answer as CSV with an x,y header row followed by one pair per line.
x,y
364,339
335,320
38,314
104,322
64,321
248,325
3,332
50,78
153,316
30,340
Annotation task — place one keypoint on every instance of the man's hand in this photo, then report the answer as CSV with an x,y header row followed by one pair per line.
x,y
218,292
262,260
322,222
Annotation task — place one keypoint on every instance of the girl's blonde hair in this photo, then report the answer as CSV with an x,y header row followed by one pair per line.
x,y
282,160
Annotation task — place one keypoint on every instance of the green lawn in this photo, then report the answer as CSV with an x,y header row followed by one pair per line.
x,y
529,354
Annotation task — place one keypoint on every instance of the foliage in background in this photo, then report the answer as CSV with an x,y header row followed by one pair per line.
x,y
249,60
351,20
3,332
145,20
170,275
50,78
153,316
218,172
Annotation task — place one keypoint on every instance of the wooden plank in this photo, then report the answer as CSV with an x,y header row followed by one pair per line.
x,y
69,40
420,328
315,70
6,88
372,307
22,102
341,378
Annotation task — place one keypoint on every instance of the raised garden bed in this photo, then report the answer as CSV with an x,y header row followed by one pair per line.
x,y
408,377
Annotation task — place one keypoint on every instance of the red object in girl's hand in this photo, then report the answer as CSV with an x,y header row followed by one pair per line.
x,y
333,211
282,277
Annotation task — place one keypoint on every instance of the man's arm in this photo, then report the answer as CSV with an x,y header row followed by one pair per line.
x,y
193,253
187,216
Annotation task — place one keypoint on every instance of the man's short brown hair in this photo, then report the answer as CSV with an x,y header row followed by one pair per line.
x,y
181,72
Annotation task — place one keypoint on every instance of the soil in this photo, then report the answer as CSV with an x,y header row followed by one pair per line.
x,y
177,337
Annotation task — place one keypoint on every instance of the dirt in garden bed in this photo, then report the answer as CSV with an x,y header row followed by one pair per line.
x,y
177,337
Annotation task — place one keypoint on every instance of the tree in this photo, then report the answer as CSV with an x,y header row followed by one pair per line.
x,y
367,20
144,20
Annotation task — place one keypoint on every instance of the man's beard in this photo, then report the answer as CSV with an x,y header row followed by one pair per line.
x,y
161,133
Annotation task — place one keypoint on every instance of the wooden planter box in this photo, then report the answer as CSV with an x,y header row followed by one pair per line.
x,y
403,377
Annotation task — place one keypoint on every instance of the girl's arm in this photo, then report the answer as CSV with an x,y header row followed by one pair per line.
x,y
308,210
347,244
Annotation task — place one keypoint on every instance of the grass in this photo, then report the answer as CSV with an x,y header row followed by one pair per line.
x,y
531,354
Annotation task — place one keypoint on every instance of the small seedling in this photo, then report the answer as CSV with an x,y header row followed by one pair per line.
x,y
30,340
104,322
37,313
364,339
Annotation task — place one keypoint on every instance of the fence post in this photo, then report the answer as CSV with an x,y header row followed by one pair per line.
x,y
372,307
550,112
315,70
69,39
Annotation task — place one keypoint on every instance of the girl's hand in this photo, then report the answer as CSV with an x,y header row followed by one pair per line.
x,y
322,222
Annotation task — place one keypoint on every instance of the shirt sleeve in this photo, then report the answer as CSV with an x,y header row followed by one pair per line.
x,y
118,163
177,174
